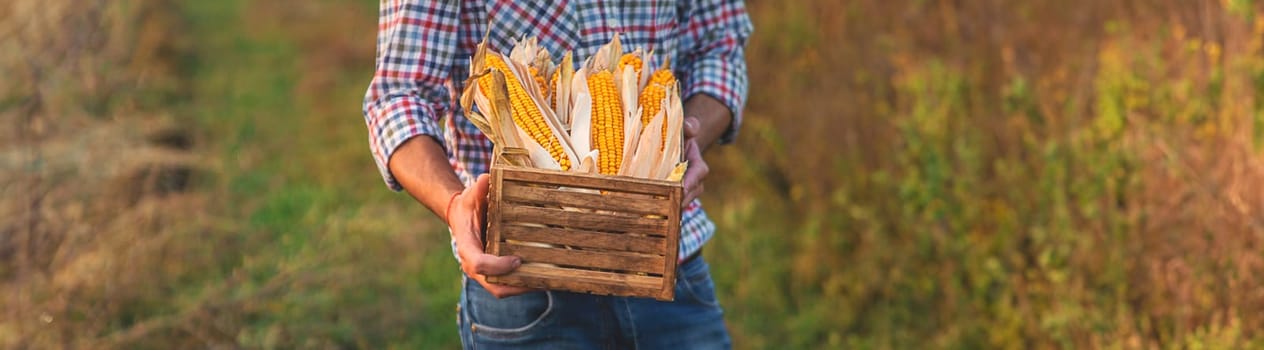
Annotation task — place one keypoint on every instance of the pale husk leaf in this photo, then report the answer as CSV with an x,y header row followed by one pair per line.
x,y
673,144
540,157
646,72
562,91
588,164
518,72
647,154
581,113
631,117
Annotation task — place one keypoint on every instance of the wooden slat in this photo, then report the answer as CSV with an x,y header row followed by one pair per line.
x,y
668,290
585,239
554,283
517,192
494,222
588,276
609,195
595,282
582,258
602,182
587,221
509,206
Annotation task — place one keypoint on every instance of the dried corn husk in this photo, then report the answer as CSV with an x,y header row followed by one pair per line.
x,y
650,149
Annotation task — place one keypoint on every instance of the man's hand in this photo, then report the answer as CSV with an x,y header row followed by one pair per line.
x,y
466,220
697,166
706,119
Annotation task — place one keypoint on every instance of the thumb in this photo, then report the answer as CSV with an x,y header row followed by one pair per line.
x,y
478,192
491,265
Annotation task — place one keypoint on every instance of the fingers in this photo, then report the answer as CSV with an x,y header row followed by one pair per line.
x,y
479,193
692,127
501,291
481,187
698,168
692,194
474,262
477,263
478,266
697,171
491,265
475,196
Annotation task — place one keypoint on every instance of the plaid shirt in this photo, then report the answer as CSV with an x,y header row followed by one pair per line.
x,y
424,47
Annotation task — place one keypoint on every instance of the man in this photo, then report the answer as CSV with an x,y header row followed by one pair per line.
x,y
423,56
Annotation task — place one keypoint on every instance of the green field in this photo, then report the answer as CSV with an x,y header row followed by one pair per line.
x,y
925,174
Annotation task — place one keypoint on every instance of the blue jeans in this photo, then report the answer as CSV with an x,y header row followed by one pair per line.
x,y
562,320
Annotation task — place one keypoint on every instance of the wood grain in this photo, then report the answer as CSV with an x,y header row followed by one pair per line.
x,y
673,250
559,283
593,282
584,221
516,192
585,239
588,276
582,258
601,182
628,230
491,241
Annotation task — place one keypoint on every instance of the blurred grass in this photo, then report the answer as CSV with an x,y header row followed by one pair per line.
x,y
280,121
971,174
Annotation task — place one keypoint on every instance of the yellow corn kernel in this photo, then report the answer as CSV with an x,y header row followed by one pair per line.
x,y
553,83
525,113
663,76
651,101
634,61
539,81
607,122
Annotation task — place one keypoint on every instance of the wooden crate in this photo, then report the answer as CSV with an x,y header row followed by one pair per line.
x,y
622,240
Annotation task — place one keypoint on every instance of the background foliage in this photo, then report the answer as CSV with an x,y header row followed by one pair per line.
x,y
944,174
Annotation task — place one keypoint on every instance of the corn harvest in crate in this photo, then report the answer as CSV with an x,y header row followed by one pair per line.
x,y
613,115
586,177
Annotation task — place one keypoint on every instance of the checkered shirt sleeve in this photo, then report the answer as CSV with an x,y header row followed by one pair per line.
x,y
713,58
417,40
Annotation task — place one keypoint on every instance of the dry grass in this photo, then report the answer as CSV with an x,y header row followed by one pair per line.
x,y
94,179
968,174
1004,174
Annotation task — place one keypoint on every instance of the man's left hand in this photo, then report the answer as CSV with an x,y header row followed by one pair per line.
x,y
698,169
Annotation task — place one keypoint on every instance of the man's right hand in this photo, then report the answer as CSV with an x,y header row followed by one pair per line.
x,y
466,220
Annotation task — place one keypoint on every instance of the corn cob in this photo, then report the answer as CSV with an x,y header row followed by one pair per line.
x,y
663,76
525,113
602,101
552,95
607,121
633,60
539,81
651,99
